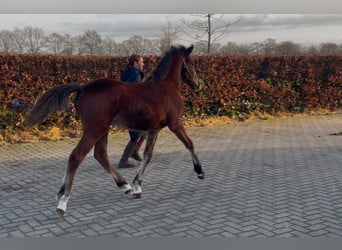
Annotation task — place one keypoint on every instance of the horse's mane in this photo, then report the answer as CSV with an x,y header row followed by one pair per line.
x,y
162,69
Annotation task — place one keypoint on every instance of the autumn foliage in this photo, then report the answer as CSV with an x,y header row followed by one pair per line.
x,y
237,86
234,86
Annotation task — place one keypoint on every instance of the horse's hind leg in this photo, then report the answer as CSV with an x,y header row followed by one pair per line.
x,y
75,159
151,140
181,134
101,155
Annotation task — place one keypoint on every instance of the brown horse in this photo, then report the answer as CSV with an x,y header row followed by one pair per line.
x,y
149,106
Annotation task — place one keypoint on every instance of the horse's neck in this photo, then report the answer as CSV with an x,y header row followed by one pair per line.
x,y
175,71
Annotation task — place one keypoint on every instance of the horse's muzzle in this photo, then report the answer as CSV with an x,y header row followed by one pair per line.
x,y
193,84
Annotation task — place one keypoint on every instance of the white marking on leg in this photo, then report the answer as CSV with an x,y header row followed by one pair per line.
x,y
126,188
63,202
64,179
137,189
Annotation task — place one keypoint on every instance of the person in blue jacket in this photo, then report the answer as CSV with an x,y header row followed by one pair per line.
x,y
133,73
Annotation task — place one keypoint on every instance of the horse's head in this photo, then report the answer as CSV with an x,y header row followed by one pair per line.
x,y
188,73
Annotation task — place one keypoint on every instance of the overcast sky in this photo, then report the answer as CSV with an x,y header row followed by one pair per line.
x,y
300,28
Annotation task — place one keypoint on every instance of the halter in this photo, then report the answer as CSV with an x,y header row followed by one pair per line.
x,y
187,69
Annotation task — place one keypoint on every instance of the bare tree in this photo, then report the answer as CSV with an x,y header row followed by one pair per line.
x,y
153,46
238,49
329,49
79,43
230,48
110,47
245,49
33,40
288,48
55,43
134,45
210,30
256,48
36,39
6,41
69,45
19,40
200,48
312,50
169,35
269,46
92,42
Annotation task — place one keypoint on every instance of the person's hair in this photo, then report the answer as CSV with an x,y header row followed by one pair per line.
x,y
132,59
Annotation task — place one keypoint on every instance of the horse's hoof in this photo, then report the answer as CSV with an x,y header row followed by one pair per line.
x,y
62,205
200,176
137,195
60,212
137,191
127,189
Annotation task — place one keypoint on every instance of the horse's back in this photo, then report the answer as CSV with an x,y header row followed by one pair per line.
x,y
101,85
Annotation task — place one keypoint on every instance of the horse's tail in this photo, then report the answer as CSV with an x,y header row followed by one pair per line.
x,y
54,99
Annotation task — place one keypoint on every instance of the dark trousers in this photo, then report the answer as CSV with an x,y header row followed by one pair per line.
x,y
135,135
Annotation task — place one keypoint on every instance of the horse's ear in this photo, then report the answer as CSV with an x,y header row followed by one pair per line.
x,y
189,50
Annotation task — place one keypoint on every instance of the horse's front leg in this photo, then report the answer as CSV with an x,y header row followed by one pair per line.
x,y
181,134
148,152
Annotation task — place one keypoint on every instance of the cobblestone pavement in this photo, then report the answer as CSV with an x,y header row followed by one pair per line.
x,y
264,178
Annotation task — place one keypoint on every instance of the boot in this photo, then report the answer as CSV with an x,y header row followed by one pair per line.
x,y
135,155
124,162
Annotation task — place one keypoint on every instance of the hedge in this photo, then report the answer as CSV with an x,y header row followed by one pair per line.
x,y
234,86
